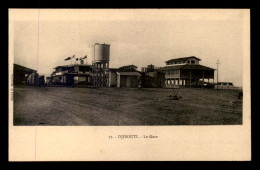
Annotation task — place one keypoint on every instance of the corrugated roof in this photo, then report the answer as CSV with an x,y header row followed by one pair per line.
x,y
187,67
129,73
182,58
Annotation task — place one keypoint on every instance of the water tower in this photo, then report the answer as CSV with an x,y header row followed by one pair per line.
x,y
100,65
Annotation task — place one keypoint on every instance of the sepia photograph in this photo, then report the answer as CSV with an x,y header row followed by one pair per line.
x,y
131,72
128,68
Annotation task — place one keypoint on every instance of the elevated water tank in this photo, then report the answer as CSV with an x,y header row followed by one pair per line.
x,y
101,52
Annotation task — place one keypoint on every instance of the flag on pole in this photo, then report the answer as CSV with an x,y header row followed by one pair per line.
x,y
67,58
81,61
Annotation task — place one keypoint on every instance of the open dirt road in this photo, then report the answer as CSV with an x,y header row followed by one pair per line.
x,y
55,106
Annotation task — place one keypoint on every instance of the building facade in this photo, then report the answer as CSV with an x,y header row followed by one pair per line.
x,y
72,74
21,74
112,79
186,72
125,76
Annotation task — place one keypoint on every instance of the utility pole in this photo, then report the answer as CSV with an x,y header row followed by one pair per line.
x,y
217,72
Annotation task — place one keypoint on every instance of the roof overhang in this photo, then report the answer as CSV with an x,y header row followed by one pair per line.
x,y
187,67
182,58
128,73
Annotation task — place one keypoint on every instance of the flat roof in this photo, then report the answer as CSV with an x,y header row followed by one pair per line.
x,y
72,65
82,74
101,44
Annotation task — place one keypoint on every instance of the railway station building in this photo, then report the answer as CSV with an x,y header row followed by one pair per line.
x,y
186,72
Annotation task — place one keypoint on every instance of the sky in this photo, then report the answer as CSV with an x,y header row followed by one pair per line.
x,y
44,38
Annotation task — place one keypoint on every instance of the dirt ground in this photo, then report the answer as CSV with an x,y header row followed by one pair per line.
x,y
55,106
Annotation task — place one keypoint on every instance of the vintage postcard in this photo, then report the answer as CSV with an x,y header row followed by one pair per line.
x,y
129,85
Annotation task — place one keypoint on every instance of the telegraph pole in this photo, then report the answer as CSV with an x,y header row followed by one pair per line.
x,y
217,72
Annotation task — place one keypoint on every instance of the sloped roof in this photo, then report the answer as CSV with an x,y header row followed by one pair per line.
x,y
60,66
22,68
129,66
182,58
113,69
177,67
187,67
129,73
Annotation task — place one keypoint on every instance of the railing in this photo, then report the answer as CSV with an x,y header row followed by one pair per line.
x,y
61,72
172,76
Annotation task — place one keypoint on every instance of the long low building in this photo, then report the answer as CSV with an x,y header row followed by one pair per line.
x,y
186,72
21,73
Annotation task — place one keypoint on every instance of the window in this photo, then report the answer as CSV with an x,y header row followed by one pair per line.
x,y
192,61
